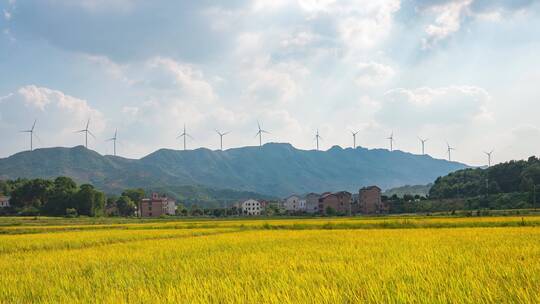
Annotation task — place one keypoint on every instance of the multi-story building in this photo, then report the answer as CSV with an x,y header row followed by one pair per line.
x,y
157,206
4,201
251,207
312,203
294,203
370,202
340,202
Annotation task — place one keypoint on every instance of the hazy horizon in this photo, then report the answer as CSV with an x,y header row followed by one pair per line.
x,y
458,71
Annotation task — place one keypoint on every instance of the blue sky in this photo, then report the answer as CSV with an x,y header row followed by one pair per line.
x,y
459,71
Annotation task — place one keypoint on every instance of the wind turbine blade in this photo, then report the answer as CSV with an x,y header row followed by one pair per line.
x,y
257,134
225,133
258,124
91,134
190,136
87,123
38,138
80,131
26,131
34,125
265,131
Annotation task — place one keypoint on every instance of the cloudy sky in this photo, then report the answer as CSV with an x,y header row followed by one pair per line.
x,y
462,71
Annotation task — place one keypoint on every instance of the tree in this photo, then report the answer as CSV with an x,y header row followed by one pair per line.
x,y
126,207
31,193
330,211
136,195
60,196
89,201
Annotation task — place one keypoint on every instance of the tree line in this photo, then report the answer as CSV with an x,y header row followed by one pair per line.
x,y
63,197
511,177
509,185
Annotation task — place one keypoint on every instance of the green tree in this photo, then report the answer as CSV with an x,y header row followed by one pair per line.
x,y
31,194
136,195
60,196
89,201
126,207
330,211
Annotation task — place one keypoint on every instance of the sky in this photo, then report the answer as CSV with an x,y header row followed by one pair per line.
x,y
462,72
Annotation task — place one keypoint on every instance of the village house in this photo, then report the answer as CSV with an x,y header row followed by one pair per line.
x,y
340,202
370,202
294,203
4,201
312,203
157,206
251,207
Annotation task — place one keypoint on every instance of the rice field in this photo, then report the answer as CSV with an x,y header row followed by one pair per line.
x,y
341,260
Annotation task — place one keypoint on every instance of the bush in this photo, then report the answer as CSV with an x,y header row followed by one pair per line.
x,y
29,211
71,212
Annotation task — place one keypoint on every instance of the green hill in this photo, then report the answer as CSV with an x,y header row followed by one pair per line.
x,y
274,169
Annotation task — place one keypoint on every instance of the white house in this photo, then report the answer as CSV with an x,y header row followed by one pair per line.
x,y
4,201
294,203
170,205
251,207
312,203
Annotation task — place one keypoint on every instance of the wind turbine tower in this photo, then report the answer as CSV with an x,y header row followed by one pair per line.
x,y
113,139
260,132
450,149
317,137
423,142
31,131
488,154
86,131
184,135
354,138
221,138
391,139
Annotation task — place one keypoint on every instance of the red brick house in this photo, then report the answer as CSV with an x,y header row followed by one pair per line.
x,y
341,202
156,206
370,202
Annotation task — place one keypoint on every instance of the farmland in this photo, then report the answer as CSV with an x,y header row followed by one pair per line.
x,y
319,260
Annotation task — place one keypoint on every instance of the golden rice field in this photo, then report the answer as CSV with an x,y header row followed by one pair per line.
x,y
342,260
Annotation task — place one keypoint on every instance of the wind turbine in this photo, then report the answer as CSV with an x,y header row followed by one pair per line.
x,y
423,141
184,135
86,131
317,137
489,157
354,138
450,149
113,139
259,133
31,131
221,138
391,139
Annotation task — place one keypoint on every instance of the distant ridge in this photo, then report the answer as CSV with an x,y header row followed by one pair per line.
x,y
274,169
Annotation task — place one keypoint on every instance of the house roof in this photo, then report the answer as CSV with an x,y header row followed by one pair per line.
x,y
371,188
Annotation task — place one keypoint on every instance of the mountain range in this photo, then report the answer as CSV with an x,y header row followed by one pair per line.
x,y
275,169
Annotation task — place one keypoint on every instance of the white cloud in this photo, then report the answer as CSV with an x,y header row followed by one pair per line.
x,y
57,113
7,15
186,77
434,106
373,74
364,24
447,21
